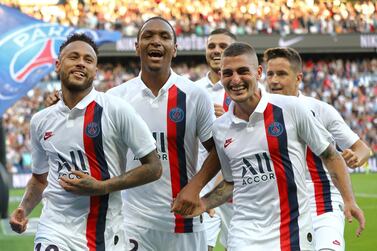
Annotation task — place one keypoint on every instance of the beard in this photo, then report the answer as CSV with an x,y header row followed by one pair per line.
x,y
75,85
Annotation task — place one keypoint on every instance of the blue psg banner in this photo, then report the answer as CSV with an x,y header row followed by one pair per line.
x,y
28,50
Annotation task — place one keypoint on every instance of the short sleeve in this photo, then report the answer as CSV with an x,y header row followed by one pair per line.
x,y
340,131
311,131
205,116
38,154
134,131
224,160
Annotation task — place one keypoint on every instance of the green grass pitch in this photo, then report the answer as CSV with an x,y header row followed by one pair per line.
x,y
365,188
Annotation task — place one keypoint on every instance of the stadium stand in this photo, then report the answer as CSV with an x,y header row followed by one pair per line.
x,y
200,17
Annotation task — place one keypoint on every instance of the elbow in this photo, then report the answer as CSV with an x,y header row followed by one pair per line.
x,y
157,171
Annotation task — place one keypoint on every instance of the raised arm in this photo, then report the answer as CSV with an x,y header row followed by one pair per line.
x,y
340,176
32,196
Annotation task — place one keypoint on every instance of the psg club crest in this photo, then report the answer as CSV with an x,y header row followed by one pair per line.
x,y
92,130
275,129
28,50
227,100
176,114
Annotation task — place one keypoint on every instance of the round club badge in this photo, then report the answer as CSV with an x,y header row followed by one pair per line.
x,y
92,129
275,129
176,114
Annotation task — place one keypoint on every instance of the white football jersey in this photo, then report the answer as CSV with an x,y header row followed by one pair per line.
x,y
180,116
324,196
93,137
265,158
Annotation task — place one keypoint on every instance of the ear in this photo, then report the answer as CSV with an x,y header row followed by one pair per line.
x,y
57,65
137,49
259,72
299,78
175,50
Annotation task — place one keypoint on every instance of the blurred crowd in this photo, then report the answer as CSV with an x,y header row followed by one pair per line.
x,y
242,17
349,85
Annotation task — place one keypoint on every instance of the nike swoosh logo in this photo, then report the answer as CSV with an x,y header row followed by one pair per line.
x,y
289,42
47,135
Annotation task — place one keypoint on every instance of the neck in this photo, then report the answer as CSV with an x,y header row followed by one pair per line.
x,y
72,98
245,109
213,77
155,80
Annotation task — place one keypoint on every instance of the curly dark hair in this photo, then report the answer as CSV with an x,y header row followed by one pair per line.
x,y
79,37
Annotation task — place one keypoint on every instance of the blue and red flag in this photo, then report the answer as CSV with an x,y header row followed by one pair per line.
x,y
28,49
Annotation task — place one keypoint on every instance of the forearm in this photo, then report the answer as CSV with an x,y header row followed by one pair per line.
x,y
33,192
338,172
209,169
149,171
219,195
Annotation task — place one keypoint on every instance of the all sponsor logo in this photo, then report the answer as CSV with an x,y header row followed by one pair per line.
x,y
76,162
161,141
257,169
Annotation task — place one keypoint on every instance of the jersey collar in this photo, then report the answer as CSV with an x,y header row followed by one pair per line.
x,y
171,81
265,97
83,102
216,86
87,99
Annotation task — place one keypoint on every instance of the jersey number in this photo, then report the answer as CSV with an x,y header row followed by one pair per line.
x,y
49,248
136,245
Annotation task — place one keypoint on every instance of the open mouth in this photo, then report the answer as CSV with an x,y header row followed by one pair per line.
x,y
216,59
78,74
276,89
237,88
155,54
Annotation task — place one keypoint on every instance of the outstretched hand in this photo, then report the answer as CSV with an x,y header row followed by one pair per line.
x,y
84,184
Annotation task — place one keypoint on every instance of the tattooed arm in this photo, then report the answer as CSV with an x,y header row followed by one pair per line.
x,y
149,170
340,176
33,195
219,195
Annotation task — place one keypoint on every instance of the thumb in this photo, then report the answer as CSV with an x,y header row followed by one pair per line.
x,y
78,173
